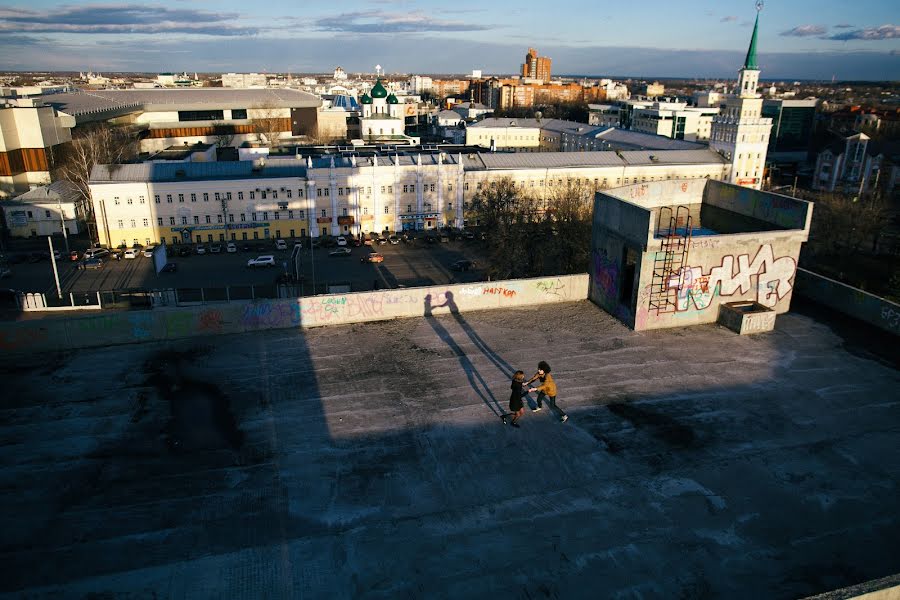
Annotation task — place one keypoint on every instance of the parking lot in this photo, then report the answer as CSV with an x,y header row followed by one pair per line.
x,y
405,264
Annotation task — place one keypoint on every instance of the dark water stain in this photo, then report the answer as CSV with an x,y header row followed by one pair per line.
x,y
200,416
660,426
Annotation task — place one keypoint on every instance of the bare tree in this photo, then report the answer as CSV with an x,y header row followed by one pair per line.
x,y
268,125
845,223
570,210
223,134
508,213
92,146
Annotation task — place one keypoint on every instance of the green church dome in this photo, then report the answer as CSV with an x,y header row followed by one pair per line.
x,y
365,99
378,90
392,99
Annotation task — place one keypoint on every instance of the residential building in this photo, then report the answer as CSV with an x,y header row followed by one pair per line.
x,y
856,164
419,84
516,96
740,132
43,211
536,67
32,136
655,89
442,88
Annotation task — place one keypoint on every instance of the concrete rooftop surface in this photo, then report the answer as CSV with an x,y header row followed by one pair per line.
x,y
368,461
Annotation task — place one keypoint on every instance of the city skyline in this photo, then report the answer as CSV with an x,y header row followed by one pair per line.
x,y
798,40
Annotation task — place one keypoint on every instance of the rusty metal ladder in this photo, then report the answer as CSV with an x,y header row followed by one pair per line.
x,y
670,258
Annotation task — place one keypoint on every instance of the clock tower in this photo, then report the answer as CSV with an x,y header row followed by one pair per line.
x,y
740,133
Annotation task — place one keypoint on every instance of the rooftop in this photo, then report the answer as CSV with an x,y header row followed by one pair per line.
x,y
261,464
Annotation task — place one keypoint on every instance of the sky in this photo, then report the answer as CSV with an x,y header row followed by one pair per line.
x,y
798,39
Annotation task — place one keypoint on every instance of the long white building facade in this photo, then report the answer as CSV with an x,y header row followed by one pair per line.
x,y
213,202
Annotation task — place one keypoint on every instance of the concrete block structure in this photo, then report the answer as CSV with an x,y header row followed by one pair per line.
x,y
669,253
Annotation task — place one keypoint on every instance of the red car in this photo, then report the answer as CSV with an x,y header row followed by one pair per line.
x,y
373,258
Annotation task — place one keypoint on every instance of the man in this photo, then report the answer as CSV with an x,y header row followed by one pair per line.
x,y
546,389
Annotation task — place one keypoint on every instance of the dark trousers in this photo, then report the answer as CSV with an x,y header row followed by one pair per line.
x,y
551,404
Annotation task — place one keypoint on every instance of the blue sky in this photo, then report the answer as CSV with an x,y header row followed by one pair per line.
x,y
703,38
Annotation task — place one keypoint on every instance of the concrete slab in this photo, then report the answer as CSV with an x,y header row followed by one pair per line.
x,y
368,461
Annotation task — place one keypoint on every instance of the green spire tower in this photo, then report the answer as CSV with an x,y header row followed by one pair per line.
x,y
750,61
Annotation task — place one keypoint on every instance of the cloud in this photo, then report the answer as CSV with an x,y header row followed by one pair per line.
x,y
728,19
377,21
121,19
805,31
843,26
885,32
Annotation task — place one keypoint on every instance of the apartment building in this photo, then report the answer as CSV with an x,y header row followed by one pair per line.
x,y
536,67
674,119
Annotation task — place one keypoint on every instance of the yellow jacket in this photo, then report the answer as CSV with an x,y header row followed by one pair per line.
x,y
548,386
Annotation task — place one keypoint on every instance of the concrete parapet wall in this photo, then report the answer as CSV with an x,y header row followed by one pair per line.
x,y
850,301
315,311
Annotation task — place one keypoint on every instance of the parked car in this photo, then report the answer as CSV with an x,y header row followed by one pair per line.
x,y
341,241
280,245
340,252
201,249
148,251
372,258
463,265
170,268
92,263
381,241
215,248
230,248
131,253
184,251
367,242
96,253
394,240
267,260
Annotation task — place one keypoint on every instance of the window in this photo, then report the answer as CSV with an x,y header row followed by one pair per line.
x,y
181,197
130,202
319,192
252,195
156,198
116,201
196,220
265,216
159,221
133,224
171,220
208,219
146,222
340,191
274,195
193,197
262,195
467,186
218,218
238,113
302,214
201,115
365,210
169,198
326,192
382,189
344,211
277,215
300,193
243,217
205,196
390,189
253,215
431,187
120,223
231,217
240,195
449,206
409,208
449,187
387,210
324,214
228,195
347,192
47,213
404,189
288,192
218,196
290,215
369,191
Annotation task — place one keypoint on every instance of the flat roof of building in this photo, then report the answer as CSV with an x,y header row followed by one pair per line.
x,y
368,460
98,101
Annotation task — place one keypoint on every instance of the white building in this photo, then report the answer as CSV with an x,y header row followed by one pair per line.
x,y
243,80
675,120
741,133
43,211
188,202
856,164
339,74
706,99
604,115
382,116
419,84
472,110
30,135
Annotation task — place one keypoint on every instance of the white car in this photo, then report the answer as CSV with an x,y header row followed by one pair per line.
x,y
131,253
342,241
280,245
231,248
262,261
148,251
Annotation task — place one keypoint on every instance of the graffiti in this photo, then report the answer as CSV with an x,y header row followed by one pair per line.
x,y
553,287
470,291
704,243
773,280
500,291
684,187
141,325
271,315
210,321
759,322
639,191
401,299
891,317
606,274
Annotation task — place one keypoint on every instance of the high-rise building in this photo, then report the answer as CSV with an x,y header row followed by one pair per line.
x,y
536,67
740,133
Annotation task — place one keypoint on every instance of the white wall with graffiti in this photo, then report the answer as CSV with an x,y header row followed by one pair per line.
x,y
628,281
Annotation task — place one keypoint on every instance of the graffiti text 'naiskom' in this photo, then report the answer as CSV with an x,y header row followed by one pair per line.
x,y
773,279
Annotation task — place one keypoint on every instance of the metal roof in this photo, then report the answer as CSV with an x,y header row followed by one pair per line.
x,y
702,156
198,171
644,141
62,190
96,101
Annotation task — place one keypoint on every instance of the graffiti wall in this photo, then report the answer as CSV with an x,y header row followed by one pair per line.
x,y
316,311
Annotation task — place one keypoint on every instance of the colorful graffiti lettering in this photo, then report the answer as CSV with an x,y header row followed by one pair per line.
x,y
553,287
270,314
773,280
499,291
210,321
